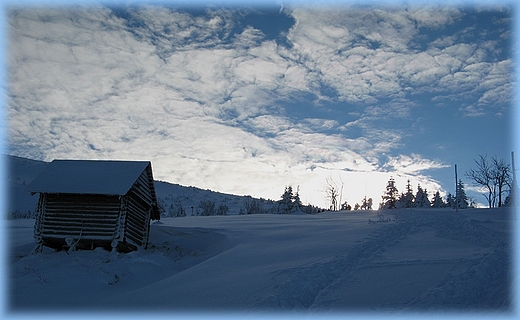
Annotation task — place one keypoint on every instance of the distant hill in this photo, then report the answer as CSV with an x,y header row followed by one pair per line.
x,y
172,198
19,173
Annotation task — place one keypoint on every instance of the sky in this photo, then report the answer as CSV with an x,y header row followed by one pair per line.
x,y
250,99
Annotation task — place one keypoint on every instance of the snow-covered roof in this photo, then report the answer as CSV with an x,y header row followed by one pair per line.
x,y
110,177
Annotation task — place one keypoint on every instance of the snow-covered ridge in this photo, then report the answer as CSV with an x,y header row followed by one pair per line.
x,y
21,171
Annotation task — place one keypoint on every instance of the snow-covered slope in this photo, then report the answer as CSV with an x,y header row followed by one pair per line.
x,y
430,260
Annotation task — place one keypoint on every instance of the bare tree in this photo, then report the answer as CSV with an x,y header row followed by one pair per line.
x,y
501,175
494,176
341,190
332,193
482,175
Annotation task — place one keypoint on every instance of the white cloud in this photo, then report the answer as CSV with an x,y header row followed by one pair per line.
x,y
249,37
207,107
318,124
269,124
413,164
434,16
472,111
361,73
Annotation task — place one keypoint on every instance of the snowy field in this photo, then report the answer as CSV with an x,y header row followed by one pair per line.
x,y
429,261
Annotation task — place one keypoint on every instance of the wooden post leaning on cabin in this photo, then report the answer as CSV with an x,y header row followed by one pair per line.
x,y
146,233
120,227
38,225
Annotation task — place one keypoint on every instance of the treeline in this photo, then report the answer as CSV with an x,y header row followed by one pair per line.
x,y
494,176
392,199
289,203
205,208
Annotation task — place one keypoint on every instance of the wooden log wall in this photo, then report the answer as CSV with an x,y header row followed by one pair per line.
x,y
139,207
78,216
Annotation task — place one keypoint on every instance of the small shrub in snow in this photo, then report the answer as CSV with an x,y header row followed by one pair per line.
x,y
174,210
179,210
207,208
17,214
310,209
251,206
366,204
222,210
346,206
160,206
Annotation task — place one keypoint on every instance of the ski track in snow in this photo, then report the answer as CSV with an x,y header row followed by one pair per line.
x,y
313,287
492,271
302,288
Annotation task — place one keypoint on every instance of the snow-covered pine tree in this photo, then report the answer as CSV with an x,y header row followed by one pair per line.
x,y
426,200
510,197
285,205
462,200
400,201
437,201
407,199
389,198
297,203
421,198
450,201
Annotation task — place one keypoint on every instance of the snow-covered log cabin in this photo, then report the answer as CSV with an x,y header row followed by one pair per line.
x,y
95,203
